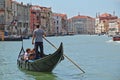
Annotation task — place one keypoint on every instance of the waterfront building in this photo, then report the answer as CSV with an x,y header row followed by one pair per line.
x,y
60,24
102,22
118,24
14,17
5,15
22,18
41,16
82,24
71,29
34,16
114,27
46,20
2,14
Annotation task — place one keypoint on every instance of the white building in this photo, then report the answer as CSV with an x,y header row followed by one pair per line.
x,y
113,28
82,24
60,23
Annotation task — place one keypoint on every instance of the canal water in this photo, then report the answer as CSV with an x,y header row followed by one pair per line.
x,y
98,56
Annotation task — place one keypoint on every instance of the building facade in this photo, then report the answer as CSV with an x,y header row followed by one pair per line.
x,y
60,24
71,29
114,27
82,24
5,14
41,16
2,14
102,22
22,18
14,17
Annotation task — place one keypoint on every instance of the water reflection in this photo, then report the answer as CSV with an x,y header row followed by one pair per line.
x,y
41,75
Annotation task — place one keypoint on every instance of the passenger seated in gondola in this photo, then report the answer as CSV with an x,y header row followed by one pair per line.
x,y
32,55
27,53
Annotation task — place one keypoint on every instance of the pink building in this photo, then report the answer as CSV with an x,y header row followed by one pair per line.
x,y
41,16
34,16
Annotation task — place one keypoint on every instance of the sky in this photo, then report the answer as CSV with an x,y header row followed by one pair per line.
x,y
81,7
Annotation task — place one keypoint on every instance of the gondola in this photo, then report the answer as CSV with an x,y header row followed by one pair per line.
x,y
45,64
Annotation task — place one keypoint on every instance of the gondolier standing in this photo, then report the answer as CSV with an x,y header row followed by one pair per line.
x,y
37,40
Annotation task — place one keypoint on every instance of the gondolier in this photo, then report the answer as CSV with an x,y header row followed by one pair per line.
x,y
38,37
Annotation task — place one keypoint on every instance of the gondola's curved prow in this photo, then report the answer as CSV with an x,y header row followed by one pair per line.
x,y
45,64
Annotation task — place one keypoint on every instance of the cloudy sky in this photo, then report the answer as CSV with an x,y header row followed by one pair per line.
x,y
83,7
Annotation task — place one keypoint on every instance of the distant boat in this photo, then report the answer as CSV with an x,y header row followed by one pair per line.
x,y
45,64
116,38
12,39
26,37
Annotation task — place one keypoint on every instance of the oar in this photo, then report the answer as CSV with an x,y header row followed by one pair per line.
x,y
22,49
66,56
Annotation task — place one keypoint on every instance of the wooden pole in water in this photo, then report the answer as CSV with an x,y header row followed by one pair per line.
x,y
66,56
2,35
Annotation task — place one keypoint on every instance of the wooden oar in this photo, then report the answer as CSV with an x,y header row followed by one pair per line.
x,y
66,56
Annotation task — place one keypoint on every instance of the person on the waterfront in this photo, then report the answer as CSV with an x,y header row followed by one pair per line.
x,y
38,37
27,53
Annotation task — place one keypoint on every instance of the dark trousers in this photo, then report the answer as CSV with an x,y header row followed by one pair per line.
x,y
37,46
